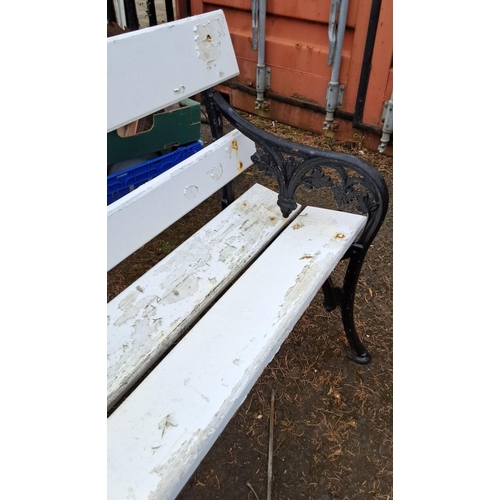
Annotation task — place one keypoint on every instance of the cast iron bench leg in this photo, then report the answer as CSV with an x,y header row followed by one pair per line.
x,y
357,351
344,298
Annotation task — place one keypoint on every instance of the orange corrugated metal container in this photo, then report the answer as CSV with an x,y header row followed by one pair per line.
x,y
296,51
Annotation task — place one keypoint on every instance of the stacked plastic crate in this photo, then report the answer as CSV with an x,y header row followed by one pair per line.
x,y
138,158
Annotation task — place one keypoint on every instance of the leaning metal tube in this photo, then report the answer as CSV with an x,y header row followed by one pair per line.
x,y
332,92
332,35
260,83
344,4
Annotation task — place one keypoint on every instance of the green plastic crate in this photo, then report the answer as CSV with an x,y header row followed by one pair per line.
x,y
171,128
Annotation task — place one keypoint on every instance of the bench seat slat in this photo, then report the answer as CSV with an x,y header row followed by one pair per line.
x,y
149,315
158,436
148,210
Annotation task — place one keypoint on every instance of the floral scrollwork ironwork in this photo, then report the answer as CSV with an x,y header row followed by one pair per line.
x,y
361,186
354,184
317,179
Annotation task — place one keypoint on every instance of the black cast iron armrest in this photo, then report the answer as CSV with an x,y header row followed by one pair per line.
x,y
357,186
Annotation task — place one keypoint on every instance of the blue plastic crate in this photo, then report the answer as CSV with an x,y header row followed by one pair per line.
x,y
125,181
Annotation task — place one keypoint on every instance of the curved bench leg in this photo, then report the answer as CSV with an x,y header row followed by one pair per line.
x,y
357,351
329,302
344,298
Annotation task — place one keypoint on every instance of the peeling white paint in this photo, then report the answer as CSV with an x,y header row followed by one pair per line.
x,y
132,309
227,252
130,224
127,301
165,422
208,44
186,288
231,345
182,55
184,283
190,192
216,172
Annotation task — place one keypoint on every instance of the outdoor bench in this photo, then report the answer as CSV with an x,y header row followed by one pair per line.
x,y
188,339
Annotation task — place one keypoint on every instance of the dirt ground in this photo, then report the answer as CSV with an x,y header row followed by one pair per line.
x,y
333,418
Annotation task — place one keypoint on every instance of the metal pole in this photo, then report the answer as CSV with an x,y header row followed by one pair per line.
x,y
111,12
332,36
131,15
260,83
333,89
151,10
255,23
170,10
121,18
366,65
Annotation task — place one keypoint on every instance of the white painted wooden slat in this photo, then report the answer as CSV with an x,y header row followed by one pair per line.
x,y
147,317
152,68
148,210
158,436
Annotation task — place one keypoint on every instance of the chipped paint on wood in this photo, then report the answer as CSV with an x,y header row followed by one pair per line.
x,y
208,41
227,351
180,287
186,288
216,172
173,194
166,63
165,422
190,191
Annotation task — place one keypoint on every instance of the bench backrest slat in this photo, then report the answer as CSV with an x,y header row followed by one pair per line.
x,y
148,210
153,68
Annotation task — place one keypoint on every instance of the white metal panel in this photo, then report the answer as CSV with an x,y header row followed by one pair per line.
x,y
152,68
148,210
158,436
147,317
